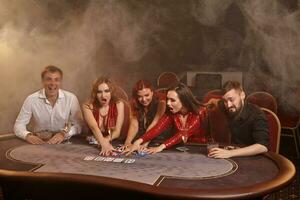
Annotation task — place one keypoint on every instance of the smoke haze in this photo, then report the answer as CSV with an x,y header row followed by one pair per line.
x,y
135,39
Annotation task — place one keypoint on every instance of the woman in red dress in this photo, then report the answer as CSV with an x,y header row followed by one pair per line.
x,y
104,114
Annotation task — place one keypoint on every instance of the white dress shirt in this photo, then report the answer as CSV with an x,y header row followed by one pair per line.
x,y
47,118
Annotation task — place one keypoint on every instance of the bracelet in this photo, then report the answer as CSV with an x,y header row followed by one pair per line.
x,y
30,134
65,133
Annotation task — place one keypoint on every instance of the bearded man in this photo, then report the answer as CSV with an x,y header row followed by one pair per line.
x,y
247,124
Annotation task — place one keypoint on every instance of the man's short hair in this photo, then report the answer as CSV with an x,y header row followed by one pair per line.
x,y
51,69
229,85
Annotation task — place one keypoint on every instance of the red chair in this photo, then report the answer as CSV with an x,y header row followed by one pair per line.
x,y
126,122
218,126
167,79
274,129
161,93
120,92
264,100
212,94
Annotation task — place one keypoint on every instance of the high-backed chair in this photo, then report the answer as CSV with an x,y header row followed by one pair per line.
x,y
274,129
217,125
161,93
212,94
291,122
126,122
264,100
166,79
120,92
205,82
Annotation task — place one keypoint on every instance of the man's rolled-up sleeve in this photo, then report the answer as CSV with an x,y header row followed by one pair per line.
x,y
261,130
23,119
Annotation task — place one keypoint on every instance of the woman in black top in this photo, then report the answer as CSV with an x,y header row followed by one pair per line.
x,y
146,110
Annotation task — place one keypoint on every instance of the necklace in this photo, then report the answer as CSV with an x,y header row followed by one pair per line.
x,y
105,110
103,116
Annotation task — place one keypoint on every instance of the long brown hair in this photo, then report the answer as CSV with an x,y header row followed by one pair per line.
x,y
102,79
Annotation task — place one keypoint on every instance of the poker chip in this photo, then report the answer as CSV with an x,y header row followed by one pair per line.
x,y
142,153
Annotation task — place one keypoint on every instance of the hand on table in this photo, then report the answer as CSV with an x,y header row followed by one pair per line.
x,y
106,148
153,150
219,153
33,139
144,147
125,146
57,138
134,147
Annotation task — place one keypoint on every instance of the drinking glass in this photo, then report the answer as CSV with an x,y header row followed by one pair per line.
x,y
211,143
66,130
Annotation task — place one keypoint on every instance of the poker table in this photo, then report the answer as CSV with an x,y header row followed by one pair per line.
x,y
76,171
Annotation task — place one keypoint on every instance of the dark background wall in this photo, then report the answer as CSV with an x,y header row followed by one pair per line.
x,y
134,39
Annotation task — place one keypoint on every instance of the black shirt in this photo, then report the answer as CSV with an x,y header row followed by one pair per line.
x,y
249,127
145,119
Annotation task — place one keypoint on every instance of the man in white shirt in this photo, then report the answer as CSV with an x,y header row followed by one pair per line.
x,y
56,112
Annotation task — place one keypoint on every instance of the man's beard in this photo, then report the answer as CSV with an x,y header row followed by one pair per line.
x,y
235,113
232,114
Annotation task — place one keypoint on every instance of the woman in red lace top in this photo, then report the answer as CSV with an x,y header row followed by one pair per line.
x,y
104,114
184,113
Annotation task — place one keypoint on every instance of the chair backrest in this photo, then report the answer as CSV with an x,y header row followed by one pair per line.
x,y
274,129
205,82
212,94
161,93
218,126
120,92
126,122
264,100
166,79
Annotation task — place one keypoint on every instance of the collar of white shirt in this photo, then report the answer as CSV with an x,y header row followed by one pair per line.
x,y
42,94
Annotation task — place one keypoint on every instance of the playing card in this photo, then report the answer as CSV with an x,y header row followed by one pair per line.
x,y
99,158
108,159
89,158
183,149
118,160
129,161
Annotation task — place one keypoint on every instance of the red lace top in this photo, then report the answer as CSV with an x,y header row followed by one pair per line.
x,y
193,127
110,119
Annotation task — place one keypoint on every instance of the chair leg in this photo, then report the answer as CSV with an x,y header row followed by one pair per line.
x,y
295,140
298,136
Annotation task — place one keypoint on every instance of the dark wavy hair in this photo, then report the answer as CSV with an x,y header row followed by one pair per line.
x,y
186,97
102,79
136,107
229,85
